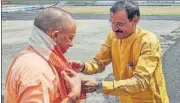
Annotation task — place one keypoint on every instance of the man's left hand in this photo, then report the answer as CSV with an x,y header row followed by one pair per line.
x,y
89,85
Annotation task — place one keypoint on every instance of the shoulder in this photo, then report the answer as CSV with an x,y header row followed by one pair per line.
x,y
32,66
148,42
30,72
32,60
147,36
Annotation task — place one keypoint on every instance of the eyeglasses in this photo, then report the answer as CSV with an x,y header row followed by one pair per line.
x,y
118,24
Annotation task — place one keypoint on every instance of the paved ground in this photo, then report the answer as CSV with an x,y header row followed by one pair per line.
x,y
171,64
29,15
90,34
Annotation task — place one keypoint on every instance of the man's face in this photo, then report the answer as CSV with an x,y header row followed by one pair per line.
x,y
121,25
65,38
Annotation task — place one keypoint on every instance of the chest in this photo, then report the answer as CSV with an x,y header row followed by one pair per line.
x,y
124,58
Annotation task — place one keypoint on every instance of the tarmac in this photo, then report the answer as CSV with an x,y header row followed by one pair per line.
x,y
91,32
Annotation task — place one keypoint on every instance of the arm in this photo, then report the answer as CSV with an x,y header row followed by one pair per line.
x,y
43,91
98,63
101,59
34,94
144,70
36,90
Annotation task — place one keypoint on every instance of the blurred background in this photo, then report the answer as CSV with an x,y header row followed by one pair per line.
x,y
89,2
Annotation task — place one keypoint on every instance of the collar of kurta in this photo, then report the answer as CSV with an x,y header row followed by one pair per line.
x,y
43,45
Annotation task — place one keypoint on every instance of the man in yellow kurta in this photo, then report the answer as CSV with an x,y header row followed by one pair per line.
x,y
136,59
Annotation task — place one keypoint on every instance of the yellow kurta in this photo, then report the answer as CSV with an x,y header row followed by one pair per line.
x,y
137,68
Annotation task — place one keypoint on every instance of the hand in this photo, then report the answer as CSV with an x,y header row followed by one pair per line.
x,y
77,66
89,85
74,80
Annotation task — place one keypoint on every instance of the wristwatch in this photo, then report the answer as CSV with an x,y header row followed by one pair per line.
x,y
99,86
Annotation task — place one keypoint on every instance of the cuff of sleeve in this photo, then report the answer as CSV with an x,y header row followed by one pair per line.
x,y
107,87
85,69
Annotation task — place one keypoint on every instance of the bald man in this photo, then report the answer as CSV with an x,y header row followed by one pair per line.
x,y
40,74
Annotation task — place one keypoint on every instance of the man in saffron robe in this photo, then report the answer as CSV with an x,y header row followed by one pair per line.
x,y
41,73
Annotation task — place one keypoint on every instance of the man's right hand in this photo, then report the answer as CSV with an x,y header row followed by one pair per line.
x,y
74,80
77,66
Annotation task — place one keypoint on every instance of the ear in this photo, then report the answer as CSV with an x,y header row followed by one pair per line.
x,y
54,34
136,20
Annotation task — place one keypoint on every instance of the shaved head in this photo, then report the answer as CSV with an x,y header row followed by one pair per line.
x,y
53,18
